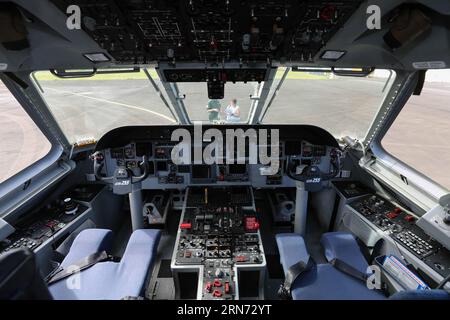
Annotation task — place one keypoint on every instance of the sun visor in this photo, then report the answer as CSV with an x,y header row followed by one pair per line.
x,y
13,32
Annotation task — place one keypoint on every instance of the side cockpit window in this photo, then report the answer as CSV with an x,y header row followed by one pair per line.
x,y
420,134
21,141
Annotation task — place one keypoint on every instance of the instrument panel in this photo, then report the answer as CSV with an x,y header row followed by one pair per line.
x,y
402,228
163,172
126,153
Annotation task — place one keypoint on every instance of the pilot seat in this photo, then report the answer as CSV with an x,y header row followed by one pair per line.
x,y
99,279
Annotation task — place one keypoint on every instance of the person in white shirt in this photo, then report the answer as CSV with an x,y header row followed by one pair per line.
x,y
233,112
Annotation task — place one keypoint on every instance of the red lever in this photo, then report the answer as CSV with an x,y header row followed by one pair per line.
x,y
208,287
392,215
186,225
227,287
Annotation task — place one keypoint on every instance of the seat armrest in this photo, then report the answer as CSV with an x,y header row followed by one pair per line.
x,y
141,248
138,259
292,249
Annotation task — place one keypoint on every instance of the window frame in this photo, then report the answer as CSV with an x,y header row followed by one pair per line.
x,y
423,191
40,175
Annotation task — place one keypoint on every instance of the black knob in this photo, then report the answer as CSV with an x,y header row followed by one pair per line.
x,y
447,218
70,207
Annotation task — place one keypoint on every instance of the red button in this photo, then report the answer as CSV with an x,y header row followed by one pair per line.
x,y
217,293
410,218
251,224
392,215
217,283
397,210
241,259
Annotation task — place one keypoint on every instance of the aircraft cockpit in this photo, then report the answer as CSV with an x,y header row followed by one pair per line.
x,y
224,150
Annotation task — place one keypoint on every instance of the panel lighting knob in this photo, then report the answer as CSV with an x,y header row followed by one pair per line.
x,y
70,207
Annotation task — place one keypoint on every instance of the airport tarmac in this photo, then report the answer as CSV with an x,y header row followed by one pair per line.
x,y
86,109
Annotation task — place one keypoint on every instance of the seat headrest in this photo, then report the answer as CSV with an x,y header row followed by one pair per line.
x,y
20,278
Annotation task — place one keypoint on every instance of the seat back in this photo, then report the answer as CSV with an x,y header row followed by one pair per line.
x,y
20,278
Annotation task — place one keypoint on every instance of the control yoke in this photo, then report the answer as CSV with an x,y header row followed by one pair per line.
x,y
309,179
311,175
122,175
123,181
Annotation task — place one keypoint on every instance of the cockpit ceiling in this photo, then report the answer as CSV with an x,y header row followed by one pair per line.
x,y
222,33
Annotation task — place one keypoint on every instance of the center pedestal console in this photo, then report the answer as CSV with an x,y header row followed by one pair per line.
x,y
218,246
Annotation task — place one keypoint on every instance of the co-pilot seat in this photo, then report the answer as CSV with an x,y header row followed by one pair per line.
x,y
324,281
105,280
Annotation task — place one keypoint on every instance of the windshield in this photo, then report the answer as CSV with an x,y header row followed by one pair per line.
x,y
342,105
200,108
86,108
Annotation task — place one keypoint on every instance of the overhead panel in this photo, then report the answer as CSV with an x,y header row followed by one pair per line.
x,y
212,31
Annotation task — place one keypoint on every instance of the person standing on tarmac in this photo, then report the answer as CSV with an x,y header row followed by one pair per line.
x,y
213,109
233,112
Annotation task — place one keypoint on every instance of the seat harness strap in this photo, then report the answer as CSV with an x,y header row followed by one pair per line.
x,y
349,270
80,265
294,271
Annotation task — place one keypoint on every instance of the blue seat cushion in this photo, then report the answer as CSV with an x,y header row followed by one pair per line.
x,y
113,280
421,295
343,246
292,249
324,282
87,242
